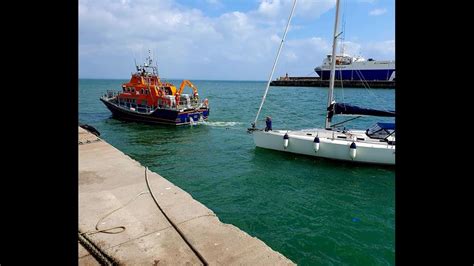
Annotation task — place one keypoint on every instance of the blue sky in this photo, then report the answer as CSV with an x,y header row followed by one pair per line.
x,y
225,39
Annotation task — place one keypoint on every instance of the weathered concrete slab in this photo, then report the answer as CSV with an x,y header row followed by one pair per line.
x,y
88,261
109,180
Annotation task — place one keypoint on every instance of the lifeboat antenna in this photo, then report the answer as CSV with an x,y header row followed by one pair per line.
x,y
150,61
155,67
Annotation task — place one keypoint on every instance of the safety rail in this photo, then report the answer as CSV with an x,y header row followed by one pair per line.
x,y
183,104
193,104
111,94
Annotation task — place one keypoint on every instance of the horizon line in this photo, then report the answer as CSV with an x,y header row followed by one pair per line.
x,y
184,79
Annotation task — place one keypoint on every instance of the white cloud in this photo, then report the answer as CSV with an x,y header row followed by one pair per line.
x,y
290,56
378,12
384,50
269,8
188,44
351,48
301,56
309,9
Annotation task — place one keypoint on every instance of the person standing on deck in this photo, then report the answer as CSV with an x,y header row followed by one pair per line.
x,y
268,121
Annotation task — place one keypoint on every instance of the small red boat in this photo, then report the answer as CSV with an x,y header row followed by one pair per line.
x,y
145,98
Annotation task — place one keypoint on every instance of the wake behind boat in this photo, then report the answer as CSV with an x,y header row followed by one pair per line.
x,y
145,98
375,145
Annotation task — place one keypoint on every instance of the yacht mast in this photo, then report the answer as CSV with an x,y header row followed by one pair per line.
x,y
254,124
333,66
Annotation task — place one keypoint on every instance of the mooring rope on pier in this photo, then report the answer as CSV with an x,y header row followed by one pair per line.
x,y
96,252
201,258
103,258
109,230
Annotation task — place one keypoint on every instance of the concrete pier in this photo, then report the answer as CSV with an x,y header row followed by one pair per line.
x,y
113,193
317,82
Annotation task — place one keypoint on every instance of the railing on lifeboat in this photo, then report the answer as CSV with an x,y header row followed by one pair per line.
x,y
111,94
194,103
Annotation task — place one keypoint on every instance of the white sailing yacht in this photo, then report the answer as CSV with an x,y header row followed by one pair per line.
x,y
374,145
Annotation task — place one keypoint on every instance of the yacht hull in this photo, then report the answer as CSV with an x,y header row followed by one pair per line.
x,y
332,145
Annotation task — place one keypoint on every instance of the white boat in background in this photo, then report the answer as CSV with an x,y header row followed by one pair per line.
x,y
375,145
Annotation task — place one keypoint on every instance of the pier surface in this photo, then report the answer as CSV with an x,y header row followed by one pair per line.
x,y
113,193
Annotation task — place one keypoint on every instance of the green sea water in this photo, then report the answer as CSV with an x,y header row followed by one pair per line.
x,y
314,211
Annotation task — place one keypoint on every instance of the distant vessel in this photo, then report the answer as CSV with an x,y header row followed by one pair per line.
x,y
145,98
357,68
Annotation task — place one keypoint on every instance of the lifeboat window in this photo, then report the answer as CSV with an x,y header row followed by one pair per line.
x,y
133,89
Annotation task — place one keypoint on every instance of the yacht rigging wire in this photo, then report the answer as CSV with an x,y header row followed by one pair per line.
x,y
254,124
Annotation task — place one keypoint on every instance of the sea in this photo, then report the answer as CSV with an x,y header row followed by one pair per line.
x,y
314,211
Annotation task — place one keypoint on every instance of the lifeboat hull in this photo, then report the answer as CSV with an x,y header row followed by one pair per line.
x,y
159,116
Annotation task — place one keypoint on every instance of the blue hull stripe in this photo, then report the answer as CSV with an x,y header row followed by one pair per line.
x,y
349,74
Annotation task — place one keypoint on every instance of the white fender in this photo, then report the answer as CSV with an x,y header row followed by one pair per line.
x,y
285,141
353,150
316,144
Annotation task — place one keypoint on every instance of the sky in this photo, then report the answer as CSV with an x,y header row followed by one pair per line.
x,y
227,39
